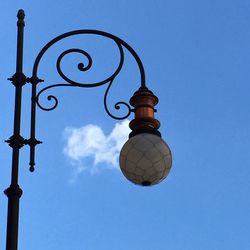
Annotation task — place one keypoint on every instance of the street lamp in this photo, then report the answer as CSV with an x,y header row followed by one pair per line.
x,y
145,159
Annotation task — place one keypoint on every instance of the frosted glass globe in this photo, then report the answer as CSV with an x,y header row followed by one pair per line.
x,y
145,159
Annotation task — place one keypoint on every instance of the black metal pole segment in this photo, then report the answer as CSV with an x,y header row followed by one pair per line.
x,y
16,141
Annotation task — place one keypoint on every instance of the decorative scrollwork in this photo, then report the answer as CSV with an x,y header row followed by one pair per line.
x,y
49,98
80,66
117,106
85,67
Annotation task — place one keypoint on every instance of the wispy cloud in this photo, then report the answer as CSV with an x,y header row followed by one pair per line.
x,y
88,148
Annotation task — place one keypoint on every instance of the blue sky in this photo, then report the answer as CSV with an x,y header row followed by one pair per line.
x,y
196,57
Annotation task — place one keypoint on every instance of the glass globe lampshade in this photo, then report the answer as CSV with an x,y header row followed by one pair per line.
x,y
145,159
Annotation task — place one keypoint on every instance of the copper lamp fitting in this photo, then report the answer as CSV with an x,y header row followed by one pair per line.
x,y
143,102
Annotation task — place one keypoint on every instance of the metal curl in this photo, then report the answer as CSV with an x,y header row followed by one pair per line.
x,y
117,105
49,98
80,66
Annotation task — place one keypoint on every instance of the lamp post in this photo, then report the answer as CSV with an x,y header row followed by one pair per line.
x,y
145,159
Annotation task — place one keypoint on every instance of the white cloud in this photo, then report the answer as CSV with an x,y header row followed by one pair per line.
x,y
88,148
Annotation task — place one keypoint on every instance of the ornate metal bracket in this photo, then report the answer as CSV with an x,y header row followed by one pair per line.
x,y
34,80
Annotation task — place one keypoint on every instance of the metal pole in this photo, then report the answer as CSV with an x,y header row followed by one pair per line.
x,y
16,141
